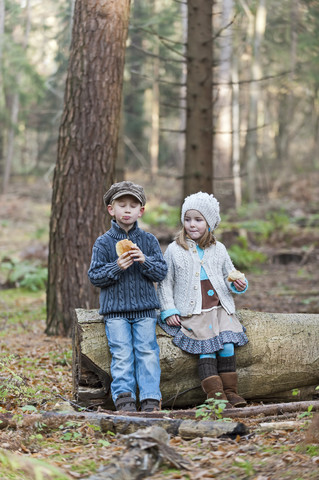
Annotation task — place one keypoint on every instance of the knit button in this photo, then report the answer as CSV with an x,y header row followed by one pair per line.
x,y
197,274
210,293
196,287
192,302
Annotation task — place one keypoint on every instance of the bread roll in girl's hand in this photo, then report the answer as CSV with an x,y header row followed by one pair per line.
x,y
235,275
124,246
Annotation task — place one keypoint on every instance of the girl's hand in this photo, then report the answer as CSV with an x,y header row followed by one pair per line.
x,y
137,255
240,285
173,321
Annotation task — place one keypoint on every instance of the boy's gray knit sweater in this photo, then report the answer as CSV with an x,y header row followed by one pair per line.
x,y
127,293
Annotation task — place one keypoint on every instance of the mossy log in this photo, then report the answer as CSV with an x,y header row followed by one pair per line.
x,y
279,364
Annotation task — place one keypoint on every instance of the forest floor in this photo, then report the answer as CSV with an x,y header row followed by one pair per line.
x,y
40,368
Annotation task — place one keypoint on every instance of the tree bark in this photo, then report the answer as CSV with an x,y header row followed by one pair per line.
x,y
236,168
87,150
287,104
198,171
155,105
2,100
222,107
282,355
251,146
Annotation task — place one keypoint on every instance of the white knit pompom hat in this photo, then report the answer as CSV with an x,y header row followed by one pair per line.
x,y
205,204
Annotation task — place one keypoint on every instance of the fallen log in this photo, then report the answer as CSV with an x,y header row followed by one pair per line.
x,y
117,423
282,355
128,424
273,426
276,409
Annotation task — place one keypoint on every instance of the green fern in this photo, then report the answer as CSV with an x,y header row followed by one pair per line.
x,y
30,275
243,257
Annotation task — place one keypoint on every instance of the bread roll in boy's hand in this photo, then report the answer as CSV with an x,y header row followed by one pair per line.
x,y
235,275
124,246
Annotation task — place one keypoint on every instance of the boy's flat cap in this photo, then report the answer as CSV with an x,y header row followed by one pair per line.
x,y
119,189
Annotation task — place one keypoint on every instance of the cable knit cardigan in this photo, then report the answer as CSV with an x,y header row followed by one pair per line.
x,y
180,291
129,293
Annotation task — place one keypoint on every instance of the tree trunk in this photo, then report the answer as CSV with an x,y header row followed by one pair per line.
x,y
223,110
286,101
15,105
2,100
155,104
198,172
180,141
254,99
14,113
155,116
282,355
236,134
86,153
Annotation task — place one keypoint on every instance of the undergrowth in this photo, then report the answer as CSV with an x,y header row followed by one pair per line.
x,y
243,257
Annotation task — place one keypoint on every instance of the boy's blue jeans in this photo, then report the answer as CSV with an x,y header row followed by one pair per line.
x,y
135,357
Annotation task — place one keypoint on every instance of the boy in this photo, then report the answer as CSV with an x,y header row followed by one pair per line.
x,y
128,299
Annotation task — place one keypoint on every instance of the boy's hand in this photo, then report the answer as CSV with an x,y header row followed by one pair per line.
x,y
173,321
128,258
136,254
125,261
240,285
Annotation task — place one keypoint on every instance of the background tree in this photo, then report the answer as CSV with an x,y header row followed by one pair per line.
x,y
152,86
2,15
198,173
47,113
86,154
223,47
255,98
285,139
21,83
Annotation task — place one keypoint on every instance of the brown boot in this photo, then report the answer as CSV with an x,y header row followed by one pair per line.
x,y
230,381
212,386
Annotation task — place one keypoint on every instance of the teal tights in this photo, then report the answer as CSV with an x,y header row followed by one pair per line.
x,y
227,351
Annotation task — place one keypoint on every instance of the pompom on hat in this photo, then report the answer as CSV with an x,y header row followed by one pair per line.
x,y
206,205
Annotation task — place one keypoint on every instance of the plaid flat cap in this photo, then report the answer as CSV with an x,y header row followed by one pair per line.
x,y
124,188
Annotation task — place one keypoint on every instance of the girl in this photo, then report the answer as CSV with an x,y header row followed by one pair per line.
x,y
197,307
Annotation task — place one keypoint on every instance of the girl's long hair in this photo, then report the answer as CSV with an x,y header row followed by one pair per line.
x,y
205,241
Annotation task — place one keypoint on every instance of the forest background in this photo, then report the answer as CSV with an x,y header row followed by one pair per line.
x,y
249,136
271,48
264,163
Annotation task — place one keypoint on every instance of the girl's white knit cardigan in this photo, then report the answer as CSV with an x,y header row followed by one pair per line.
x,y
181,288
